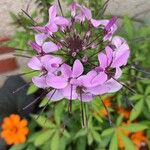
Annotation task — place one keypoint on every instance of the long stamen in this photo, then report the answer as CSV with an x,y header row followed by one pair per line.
x,y
46,104
20,88
143,71
29,17
86,117
82,111
70,101
124,85
104,7
128,101
22,74
33,102
20,55
108,113
60,8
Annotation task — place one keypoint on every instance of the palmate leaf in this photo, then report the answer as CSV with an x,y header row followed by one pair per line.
x,y
18,147
108,131
80,133
134,127
136,111
55,141
128,143
114,142
43,137
43,121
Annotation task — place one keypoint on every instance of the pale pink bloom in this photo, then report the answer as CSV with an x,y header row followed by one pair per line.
x,y
43,47
44,64
109,27
54,22
84,12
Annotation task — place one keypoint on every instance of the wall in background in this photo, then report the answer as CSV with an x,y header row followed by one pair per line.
x,y
116,7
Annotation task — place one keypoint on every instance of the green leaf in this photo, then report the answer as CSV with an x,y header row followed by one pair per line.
x,y
43,121
128,26
81,132
44,102
108,132
119,120
66,134
147,92
148,102
58,113
43,137
32,89
136,97
96,136
55,141
128,143
90,138
18,147
135,127
136,111
114,142
33,136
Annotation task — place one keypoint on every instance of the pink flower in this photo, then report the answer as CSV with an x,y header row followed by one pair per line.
x,y
84,12
42,47
59,56
54,22
44,64
109,27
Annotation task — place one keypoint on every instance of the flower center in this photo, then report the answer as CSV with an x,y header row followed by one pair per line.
x,y
75,44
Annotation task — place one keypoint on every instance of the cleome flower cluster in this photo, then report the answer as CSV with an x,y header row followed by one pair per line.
x,y
78,57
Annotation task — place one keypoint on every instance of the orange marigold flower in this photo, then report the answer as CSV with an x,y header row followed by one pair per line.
x,y
124,112
14,129
139,139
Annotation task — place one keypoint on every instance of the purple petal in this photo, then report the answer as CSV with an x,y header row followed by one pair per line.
x,y
103,60
121,56
87,12
113,86
45,60
73,9
53,64
36,47
86,79
40,81
66,70
56,82
77,69
86,97
70,92
61,21
118,73
99,79
49,47
51,27
55,95
111,23
52,12
117,41
35,64
109,53
40,38
97,23
98,90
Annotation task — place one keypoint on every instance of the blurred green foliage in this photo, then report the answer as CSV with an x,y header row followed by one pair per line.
x,y
56,130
